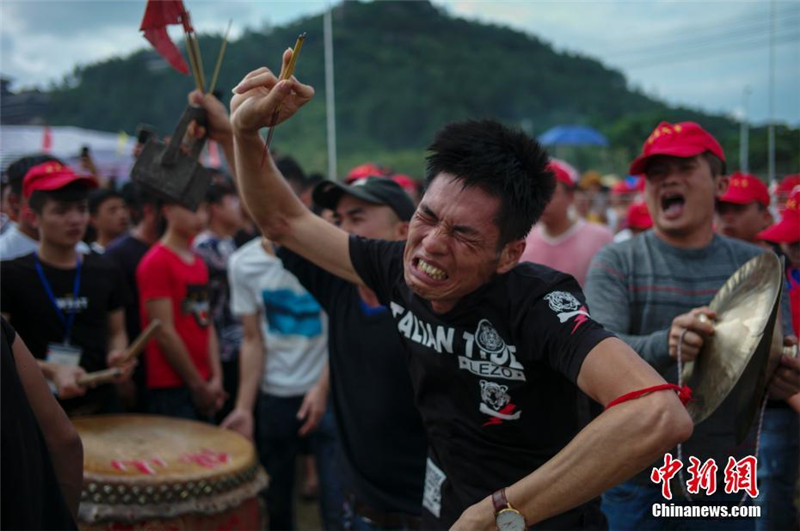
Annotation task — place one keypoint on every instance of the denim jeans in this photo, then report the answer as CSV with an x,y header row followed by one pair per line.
x,y
629,506
278,446
778,462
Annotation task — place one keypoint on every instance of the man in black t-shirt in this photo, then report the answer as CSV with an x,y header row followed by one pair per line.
x,y
381,436
67,307
126,252
498,352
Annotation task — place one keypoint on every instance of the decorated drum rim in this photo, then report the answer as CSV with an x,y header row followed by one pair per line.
x,y
188,478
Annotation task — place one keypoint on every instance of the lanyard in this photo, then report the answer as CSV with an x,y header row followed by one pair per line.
x,y
66,321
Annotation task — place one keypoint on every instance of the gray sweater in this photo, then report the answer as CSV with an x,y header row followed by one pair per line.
x,y
637,287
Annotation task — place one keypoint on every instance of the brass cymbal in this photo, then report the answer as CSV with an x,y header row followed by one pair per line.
x,y
740,353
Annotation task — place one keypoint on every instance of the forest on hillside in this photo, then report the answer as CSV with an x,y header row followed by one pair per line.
x,y
402,70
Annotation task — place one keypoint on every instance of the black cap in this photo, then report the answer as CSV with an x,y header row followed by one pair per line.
x,y
375,190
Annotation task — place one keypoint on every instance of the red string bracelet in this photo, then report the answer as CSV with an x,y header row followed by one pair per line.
x,y
684,394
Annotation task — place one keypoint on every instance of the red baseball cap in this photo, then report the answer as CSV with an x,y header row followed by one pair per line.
x,y
368,169
52,175
638,216
788,183
787,230
684,139
744,188
629,185
406,183
564,172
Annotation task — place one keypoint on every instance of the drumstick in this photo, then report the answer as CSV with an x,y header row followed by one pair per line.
x,y
140,341
99,377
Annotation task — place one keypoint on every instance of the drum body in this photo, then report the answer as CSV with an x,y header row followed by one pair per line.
x,y
153,472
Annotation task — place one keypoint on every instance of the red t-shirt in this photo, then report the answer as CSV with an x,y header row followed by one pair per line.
x,y
163,274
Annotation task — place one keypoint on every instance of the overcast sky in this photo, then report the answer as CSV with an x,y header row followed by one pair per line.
x,y
703,54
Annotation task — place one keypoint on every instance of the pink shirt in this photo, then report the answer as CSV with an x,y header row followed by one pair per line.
x,y
570,252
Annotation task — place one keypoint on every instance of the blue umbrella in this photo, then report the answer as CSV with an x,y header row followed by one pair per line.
x,y
573,135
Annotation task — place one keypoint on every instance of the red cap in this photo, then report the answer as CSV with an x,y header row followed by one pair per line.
x,y
787,230
629,185
563,172
685,139
406,183
638,216
52,175
368,169
744,188
788,183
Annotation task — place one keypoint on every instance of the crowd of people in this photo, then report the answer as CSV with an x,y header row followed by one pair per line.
x,y
442,355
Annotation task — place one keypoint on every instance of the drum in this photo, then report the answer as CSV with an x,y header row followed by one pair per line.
x,y
153,472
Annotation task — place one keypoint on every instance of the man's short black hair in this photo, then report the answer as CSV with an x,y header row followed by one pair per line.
x,y
17,170
74,192
502,162
292,172
218,190
98,196
136,198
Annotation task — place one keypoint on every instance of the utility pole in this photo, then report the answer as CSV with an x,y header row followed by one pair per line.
x,y
330,99
771,127
744,134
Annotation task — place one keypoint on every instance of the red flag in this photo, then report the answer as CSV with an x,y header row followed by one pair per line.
x,y
157,16
47,139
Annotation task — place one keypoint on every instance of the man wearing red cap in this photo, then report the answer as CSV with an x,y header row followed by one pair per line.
x,y
560,240
780,438
23,237
743,211
652,290
637,220
67,307
784,189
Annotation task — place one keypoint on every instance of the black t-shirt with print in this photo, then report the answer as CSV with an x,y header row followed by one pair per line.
x,y
494,378
127,251
381,436
102,290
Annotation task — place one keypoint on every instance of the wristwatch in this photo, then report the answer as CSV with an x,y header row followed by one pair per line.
x,y
506,516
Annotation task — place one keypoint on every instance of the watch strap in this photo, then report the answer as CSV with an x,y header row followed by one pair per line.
x,y
499,500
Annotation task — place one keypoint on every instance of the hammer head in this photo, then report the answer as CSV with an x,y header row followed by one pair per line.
x,y
170,172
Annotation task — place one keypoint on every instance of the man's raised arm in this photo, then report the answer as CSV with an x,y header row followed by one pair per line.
x,y
270,200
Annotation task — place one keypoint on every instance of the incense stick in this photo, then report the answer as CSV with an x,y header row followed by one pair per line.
x,y
219,59
286,75
193,61
199,59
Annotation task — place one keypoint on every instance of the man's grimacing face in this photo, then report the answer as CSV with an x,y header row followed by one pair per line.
x,y
453,243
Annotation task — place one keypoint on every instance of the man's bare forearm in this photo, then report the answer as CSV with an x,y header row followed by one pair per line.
x,y
613,448
251,365
178,357
268,197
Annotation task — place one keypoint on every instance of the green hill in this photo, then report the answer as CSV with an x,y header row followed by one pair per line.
x,y
403,69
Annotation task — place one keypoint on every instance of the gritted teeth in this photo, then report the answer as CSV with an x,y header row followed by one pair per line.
x,y
433,272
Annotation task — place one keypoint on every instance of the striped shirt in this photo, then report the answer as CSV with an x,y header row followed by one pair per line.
x,y
637,287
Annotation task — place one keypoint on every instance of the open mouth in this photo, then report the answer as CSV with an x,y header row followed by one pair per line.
x,y
429,270
672,204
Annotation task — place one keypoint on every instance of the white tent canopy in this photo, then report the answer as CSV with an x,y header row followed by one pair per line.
x,y
111,152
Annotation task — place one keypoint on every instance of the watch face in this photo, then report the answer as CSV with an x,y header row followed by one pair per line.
x,y
510,520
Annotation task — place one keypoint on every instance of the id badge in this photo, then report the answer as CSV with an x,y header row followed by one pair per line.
x,y
63,354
